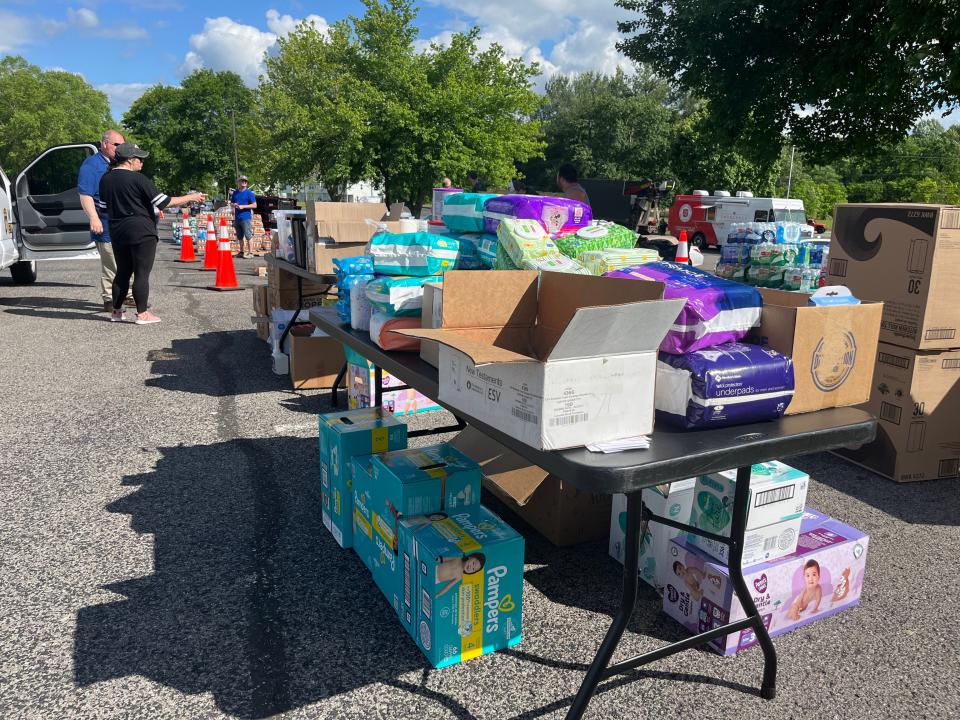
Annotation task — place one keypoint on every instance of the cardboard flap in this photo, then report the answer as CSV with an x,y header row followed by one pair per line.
x,y
617,330
510,472
783,298
482,345
494,298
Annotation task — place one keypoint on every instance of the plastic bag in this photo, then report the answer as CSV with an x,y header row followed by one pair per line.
x,y
599,235
398,296
380,332
419,253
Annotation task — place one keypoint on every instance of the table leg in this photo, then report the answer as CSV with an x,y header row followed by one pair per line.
x,y
377,386
296,313
631,566
334,402
741,504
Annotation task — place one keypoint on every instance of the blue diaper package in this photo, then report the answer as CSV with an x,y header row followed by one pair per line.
x,y
728,384
468,258
343,435
462,584
487,250
463,212
420,253
355,265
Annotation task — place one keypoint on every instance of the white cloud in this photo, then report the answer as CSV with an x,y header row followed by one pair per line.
x,y
122,95
16,31
124,32
83,18
228,45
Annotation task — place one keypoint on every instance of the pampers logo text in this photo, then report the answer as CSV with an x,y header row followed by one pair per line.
x,y
463,520
493,603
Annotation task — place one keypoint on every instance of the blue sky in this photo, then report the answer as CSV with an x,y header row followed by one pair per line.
x,y
125,46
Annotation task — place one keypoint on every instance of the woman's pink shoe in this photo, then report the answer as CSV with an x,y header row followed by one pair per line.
x,y
146,318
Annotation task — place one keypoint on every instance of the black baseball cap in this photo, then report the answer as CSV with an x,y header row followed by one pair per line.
x,y
126,151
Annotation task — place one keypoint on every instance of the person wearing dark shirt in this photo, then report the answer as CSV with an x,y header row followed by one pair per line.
x,y
475,183
244,202
131,200
569,184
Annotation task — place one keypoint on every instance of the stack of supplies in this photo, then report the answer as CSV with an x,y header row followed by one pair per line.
x,y
352,272
529,247
599,262
553,213
463,212
765,259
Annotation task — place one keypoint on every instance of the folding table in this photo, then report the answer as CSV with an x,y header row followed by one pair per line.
x,y
673,455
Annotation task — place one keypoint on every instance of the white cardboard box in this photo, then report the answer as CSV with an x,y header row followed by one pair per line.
x,y
671,501
777,497
555,360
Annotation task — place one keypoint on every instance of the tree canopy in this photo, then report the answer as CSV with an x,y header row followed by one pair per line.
x,y
42,108
840,77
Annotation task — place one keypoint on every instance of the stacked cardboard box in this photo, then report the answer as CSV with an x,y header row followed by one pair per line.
x,y
261,238
907,256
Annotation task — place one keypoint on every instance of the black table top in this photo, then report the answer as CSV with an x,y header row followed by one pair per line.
x,y
302,272
673,454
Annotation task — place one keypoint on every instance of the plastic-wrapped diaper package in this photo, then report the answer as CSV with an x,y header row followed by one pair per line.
x,y
717,310
463,212
356,265
360,307
398,296
599,235
554,214
729,384
420,253
503,261
599,262
343,310
525,240
381,326
467,256
731,271
487,250
555,263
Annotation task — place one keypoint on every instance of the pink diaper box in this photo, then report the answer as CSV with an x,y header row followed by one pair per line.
x,y
821,578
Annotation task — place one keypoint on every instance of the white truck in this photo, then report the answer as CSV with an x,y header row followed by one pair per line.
x,y
40,213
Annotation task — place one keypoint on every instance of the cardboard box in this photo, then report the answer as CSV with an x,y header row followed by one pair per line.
x,y
343,435
260,300
462,584
279,279
350,222
672,500
287,300
320,254
554,359
822,578
262,325
432,317
916,397
369,544
315,361
558,511
833,348
361,385
906,256
777,497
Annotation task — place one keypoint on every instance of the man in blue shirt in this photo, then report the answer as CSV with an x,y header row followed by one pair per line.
x,y
244,202
88,184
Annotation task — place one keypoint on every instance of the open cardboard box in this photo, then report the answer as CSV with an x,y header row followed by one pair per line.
x,y
315,360
554,359
833,348
558,511
334,222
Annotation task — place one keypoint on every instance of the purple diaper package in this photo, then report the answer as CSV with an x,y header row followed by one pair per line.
x,y
555,214
717,310
730,384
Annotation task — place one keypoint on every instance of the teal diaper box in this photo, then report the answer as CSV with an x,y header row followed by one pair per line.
x,y
461,583
417,481
342,436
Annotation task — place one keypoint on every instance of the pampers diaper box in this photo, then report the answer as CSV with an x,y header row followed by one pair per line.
x,y
403,483
343,435
778,494
672,501
823,577
462,584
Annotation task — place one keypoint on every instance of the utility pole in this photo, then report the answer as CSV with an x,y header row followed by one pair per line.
x,y
236,157
793,149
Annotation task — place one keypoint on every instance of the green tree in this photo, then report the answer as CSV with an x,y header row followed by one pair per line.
x,y
360,103
42,108
866,71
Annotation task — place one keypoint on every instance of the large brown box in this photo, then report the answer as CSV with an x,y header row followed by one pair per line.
x,y
314,361
320,255
261,300
349,222
558,511
833,348
287,300
907,256
916,397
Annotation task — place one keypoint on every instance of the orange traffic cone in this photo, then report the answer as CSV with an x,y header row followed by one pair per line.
x,y
211,254
186,241
683,249
226,275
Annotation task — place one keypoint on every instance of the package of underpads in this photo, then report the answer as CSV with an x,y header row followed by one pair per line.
x,y
381,326
729,384
554,214
487,250
463,212
525,240
555,263
420,253
717,310
398,296
599,235
599,262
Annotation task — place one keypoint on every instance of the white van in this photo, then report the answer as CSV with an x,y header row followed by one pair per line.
x,y
708,219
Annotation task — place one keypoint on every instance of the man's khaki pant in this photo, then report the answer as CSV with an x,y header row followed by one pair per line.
x,y
108,269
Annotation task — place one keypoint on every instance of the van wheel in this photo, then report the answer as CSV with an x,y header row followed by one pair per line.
x,y
24,272
699,241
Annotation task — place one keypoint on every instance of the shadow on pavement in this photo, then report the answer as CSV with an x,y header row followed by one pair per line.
x,y
249,592
53,308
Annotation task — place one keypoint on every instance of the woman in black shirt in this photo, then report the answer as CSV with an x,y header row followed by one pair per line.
x,y
131,201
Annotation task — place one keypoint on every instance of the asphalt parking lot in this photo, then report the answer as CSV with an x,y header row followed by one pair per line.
x,y
162,553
